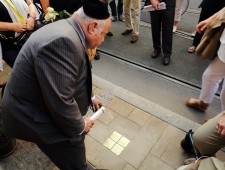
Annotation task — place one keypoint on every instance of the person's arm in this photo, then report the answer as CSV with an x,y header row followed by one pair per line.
x,y
207,23
12,26
45,4
32,15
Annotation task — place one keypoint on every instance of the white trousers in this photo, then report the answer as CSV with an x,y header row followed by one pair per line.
x,y
127,11
178,10
211,79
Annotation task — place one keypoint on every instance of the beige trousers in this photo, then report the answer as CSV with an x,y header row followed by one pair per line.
x,y
127,12
206,139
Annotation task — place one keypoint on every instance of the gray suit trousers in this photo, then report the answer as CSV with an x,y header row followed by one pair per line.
x,y
72,154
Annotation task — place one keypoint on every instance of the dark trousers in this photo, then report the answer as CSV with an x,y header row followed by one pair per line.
x,y
162,20
9,55
119,10
203,15
66,155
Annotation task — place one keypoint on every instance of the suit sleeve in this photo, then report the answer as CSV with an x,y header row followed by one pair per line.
x,y
57,67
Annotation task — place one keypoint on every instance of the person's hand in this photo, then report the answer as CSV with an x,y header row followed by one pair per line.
x,y
155,4
221,126
30,23
97,104
18,27
89,124
203,25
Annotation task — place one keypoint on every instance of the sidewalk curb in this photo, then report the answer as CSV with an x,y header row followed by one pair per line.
x,y
154,109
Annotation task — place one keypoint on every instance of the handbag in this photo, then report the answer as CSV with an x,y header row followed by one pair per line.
x,y
20,40
210,43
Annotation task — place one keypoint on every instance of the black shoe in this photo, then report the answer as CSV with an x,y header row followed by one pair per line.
x,y
166,60
110,34
7,145
127,32
156,53
187,144
120,17
97,56
114,18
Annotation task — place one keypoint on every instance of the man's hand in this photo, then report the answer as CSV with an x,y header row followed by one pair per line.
x,y
88,125
221,126
155,4
97,104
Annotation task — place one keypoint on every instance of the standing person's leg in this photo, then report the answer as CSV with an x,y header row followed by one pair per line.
x,y
127,11
120,10
66,155
156,32
137,10
211,79
206,138
112,5
167,30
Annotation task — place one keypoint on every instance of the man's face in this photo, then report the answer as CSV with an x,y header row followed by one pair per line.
x,y
97,34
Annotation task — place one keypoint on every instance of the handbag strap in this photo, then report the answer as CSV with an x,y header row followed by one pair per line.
x,y
22,20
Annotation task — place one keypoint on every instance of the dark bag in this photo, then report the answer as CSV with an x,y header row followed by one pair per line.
x,y
210,43
23,37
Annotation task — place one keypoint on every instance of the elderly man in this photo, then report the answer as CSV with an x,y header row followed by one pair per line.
x,y
49,90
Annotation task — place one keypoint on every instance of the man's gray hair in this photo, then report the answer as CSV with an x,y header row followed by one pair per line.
x,y
87,19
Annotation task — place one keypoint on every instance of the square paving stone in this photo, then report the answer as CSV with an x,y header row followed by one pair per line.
x,y
100,132
174,156
153,129
107,116
139,116
125,127
97,91
129,167
136,151
154,163
121,107
110,161
159,148
173,135
94,151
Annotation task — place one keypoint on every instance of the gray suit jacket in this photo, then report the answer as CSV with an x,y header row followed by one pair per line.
x,y
49,89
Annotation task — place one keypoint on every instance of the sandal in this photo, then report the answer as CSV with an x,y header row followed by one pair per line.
x,y
191,49
197,104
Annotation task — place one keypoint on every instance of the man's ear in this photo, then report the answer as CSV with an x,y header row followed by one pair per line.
x,y
92,27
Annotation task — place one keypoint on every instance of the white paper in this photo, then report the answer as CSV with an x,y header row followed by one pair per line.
x,y
97,113
148,8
